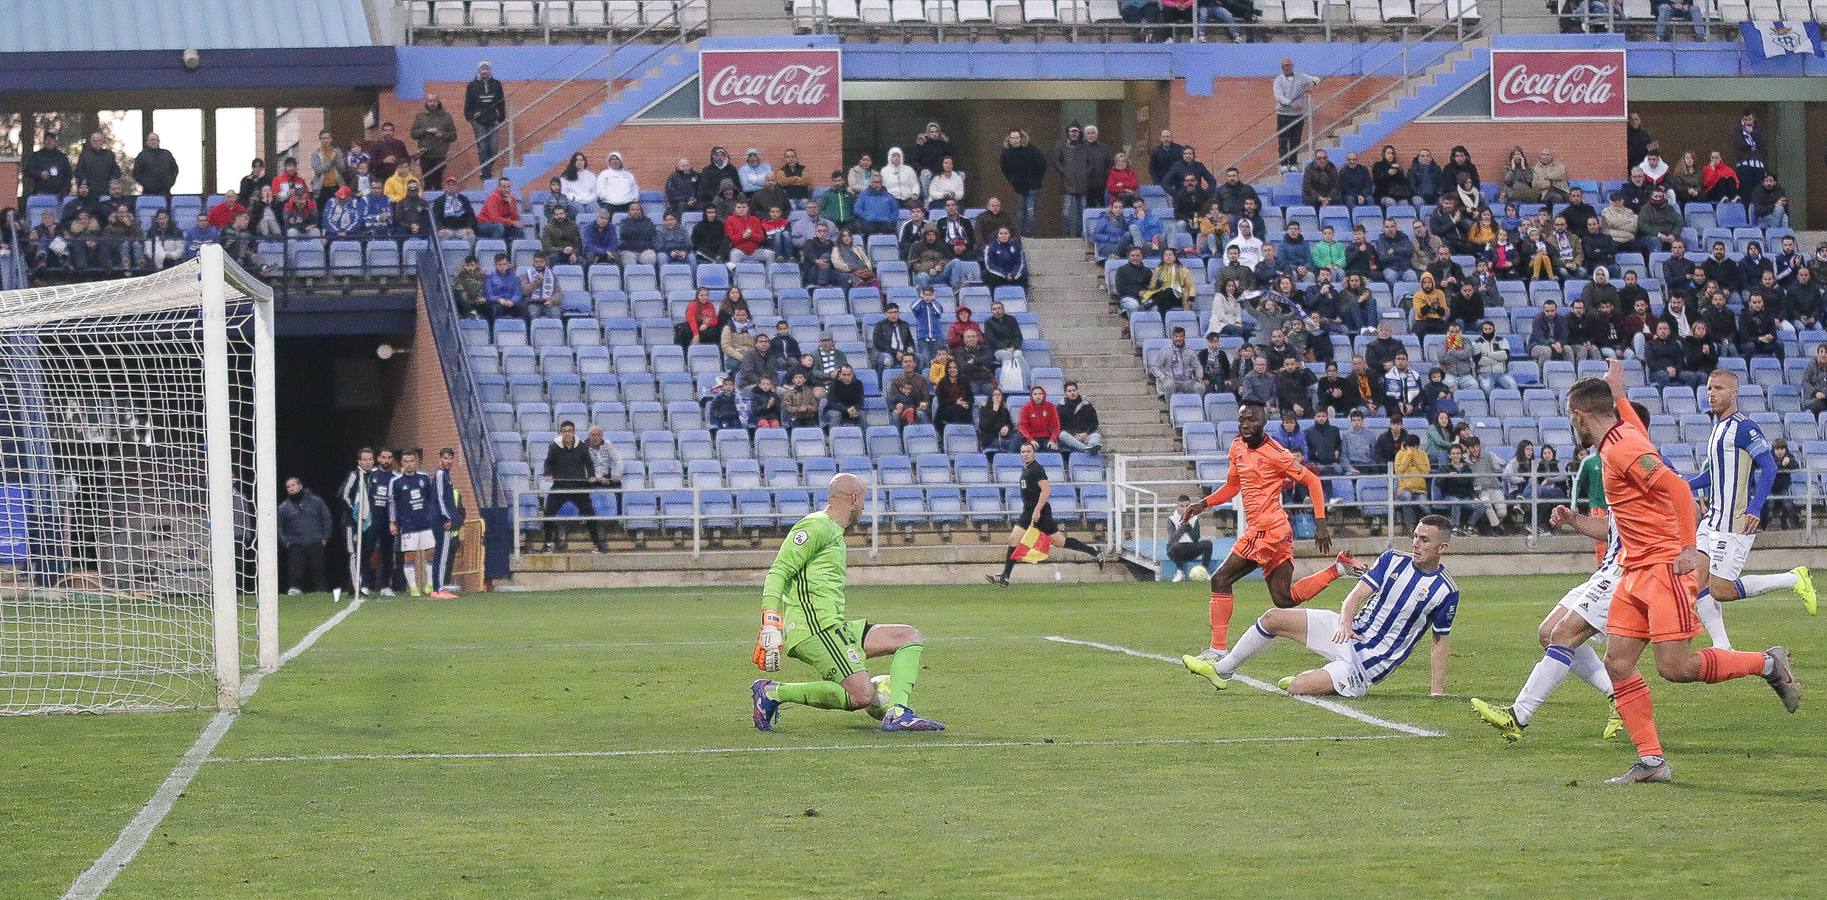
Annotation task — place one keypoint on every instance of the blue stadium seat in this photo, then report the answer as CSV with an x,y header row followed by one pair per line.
x,y
894,470
920,438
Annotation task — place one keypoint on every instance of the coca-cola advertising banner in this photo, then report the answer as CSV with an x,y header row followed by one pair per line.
x,y
1559,85
770,85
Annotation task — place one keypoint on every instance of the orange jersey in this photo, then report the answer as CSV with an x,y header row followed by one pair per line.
x,y
1639,491
1261,474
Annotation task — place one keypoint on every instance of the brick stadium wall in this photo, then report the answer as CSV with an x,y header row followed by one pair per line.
x,y
422,412
9,182
1238,115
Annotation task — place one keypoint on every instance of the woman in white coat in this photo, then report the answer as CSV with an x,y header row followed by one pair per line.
x,y
577,182
902,182
616,189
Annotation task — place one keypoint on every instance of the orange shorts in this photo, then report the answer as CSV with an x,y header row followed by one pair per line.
x,y
1656,604
1268,549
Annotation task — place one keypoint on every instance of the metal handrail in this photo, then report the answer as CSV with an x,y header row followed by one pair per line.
x,y
1461,33
466,400
608,85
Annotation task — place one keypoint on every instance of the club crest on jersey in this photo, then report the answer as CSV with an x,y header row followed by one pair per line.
x,y
799,537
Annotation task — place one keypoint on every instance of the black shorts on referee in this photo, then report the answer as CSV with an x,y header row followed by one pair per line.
x,y
1041,519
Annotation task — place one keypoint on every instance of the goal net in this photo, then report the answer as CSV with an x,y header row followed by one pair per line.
x,y
137,517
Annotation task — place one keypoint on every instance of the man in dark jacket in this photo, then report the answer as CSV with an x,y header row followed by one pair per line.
x,y
47,170
1233,192
156,170
485,109
1325,444
1078,423
891,338
434,131
711,177
1129,281
304,531
96,164
1665,360
1072,159
569,467
1025,167
1002,330
1163,157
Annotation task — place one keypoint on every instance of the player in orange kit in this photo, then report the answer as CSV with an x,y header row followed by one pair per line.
x,y
1260,468
1654,604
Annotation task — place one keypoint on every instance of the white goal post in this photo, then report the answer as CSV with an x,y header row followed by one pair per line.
x,y
138,491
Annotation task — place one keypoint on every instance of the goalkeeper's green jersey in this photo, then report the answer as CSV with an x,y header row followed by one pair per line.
x,y
1589,485
806,581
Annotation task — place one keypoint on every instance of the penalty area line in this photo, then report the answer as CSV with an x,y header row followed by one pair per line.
x,y
92,882
1332,706
823,748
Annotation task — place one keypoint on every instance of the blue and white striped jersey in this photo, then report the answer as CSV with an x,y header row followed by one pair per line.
x,y
1731,451
1405,601
1613,563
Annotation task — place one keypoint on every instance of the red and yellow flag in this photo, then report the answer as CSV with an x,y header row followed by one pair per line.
x,y
1032,547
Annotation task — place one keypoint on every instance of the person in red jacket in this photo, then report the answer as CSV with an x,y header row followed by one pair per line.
x,y
226,211
1040,420
746,235
701,324
288,180
963,323
500,215
1121,183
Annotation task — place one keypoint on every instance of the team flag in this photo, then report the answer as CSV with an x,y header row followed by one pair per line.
x,y
1032,547
1768,40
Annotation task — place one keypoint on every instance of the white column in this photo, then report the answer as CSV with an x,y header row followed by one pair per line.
x,y
266,488
220,469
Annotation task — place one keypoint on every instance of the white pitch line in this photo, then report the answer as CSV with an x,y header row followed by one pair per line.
x,y
827,748
598,645
91,883
1328,705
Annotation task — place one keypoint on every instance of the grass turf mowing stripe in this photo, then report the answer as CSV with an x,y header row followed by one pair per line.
x,y
1328,705
824,748
91,883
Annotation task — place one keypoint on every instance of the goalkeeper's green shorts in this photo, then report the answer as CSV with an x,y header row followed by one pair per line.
x,y
835,653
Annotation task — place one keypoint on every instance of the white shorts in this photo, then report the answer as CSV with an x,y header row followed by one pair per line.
x,y
1726,552
1591,600
413,541
1348,678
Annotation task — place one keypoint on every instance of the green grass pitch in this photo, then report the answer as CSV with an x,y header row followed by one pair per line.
x,y
1064,770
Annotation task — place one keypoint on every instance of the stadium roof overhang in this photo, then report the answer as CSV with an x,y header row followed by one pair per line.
x,y
131,78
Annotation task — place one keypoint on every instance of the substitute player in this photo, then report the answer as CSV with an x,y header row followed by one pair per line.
x,y
1396,599
1260,468
1653,605
1037,512
415,517
1737,476
357,493
450,507
803,616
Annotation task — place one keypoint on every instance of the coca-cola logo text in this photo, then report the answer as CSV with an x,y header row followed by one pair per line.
x,y
789,85
1558,84
771,85
1580,84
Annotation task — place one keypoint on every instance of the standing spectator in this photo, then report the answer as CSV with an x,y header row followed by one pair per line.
x,y
304,531
1099,159
1747,144
1025,167
485,108
1176,369
47,170
569,468
328,163
434,131
1040,421
386,153
1163,157
96,165
156,170
1072,159
500,216
1412,469
1293,103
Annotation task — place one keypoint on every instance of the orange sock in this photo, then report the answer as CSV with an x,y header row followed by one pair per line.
x,y
1221,619
1718,665
1639,715
1309,587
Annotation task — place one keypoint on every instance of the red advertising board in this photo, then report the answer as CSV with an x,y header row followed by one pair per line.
x,y
770,85
1557,85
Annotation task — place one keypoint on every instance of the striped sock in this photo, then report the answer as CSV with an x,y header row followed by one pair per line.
x,y
1717,664
1220,611
1638,713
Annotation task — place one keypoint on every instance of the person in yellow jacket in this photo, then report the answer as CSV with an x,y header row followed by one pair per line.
x,y
1172,285
395,188
1412,469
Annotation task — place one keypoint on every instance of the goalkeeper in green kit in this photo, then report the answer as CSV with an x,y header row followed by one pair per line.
x,y
802,616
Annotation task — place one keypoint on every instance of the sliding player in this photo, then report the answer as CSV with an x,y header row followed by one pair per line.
x,y
415,514
1734,452
1654,512
1037,512
808,576
1260,468
1406,593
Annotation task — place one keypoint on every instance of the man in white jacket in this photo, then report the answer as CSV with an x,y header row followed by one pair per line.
x,y
616,189
902,182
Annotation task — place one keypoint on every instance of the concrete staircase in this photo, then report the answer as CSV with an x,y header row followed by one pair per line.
x,y
1086,334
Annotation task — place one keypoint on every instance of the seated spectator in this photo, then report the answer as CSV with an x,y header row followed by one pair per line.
x,y
560,238
1788,261
1336,392
1249,247
1078,423
1458,360
1467,196
953,397
1430,308
976,361
672,243
122,237
1109,233
614,189
1670,10
890,339
877,211
1039,423
1389,443
709,241
1227,311
1402,389
933,262
1388,179
377,214
1327,252
1319,184
800,401
962,323
1424,177
501,293
991,219
995,430
1130,282
599,241
1148,232
908,394
466,288
395,186
164,242
766,409
1004,262
1395,251
1665,360
1176,369
1358,446
1754,265
755,364
500,215
1216,366
1814,383
1770,203
1565,255
1294,384
1720,180
1619,222
1121,183
720,407
746,236
946,184
900,179
1295,254
1170,287
1258,384
1758,333
342,216
851,262
539,288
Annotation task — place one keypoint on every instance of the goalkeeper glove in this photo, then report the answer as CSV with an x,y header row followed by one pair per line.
x,y
767,647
